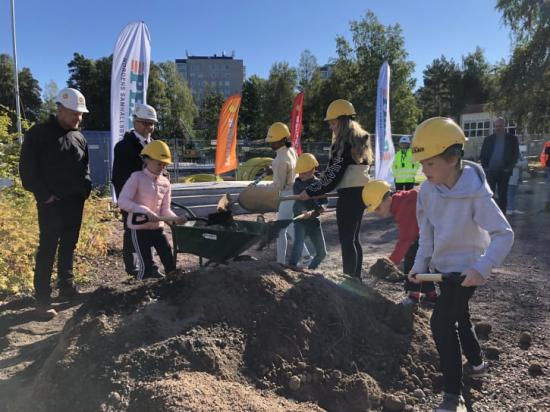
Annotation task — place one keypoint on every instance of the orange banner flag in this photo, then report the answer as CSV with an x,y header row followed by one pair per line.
x,y
226,149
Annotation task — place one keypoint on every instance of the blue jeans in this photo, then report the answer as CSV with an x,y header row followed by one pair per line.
x,y
311,228
512,191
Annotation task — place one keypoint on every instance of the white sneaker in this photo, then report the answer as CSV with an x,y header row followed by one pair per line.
x,y
518,212
509,212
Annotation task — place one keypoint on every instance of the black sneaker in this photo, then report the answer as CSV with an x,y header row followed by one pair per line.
x,y
451,403
154,274
69,292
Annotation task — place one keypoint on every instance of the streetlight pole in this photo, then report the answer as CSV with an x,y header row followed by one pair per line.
x,y
15,74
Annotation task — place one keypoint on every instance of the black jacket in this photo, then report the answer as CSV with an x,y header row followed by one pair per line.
x,y
334,172
54,161
301,206
127,160
511,152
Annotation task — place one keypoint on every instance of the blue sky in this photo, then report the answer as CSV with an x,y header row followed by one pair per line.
x,y
260,32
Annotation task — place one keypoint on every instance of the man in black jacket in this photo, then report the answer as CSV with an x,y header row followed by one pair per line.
x,y
127,160
54,167
499,155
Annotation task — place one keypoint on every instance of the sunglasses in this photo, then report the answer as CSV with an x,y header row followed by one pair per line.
x,y
146,123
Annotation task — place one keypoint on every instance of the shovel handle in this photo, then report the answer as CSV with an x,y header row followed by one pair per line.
x,y
429,277
297,197
439,277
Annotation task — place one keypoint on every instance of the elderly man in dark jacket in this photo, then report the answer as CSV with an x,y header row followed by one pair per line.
x,y
54,167
499,155
127,160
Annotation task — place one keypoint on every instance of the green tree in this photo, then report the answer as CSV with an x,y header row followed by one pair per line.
x,y
524,81
355,76
29,91
307,68
206,123
437,97
178,106
51,91
251,117
477,79
93,79
279,93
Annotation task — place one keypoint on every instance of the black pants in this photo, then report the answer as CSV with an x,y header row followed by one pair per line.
x,y
349,214
408,263
143,240
498,181
59,224
404,186
454,333
128,249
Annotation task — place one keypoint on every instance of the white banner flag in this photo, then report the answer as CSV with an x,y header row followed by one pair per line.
x,y
129,78
385,151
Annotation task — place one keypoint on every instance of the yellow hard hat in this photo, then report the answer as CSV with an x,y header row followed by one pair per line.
x,y
433,136
373,193
158,150
305,163
277,131
339,108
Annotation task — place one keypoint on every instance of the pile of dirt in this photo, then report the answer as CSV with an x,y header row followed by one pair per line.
x,y
385,269
250,336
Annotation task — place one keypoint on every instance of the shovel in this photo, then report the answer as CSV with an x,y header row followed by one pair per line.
x,y
262,199
439,277
220,218
225,203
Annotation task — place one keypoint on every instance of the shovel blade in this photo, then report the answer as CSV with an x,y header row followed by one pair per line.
x,y
259,199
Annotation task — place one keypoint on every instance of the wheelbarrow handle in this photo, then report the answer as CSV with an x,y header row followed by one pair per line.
x,y
439,277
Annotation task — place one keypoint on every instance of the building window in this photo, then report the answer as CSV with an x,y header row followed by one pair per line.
x,y
480,128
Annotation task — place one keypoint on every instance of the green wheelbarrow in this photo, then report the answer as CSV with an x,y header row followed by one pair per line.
x,y
219,242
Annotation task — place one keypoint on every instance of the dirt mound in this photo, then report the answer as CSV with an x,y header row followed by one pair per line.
x,y
250,336
385,269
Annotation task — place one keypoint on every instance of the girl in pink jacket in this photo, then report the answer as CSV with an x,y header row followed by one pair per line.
x,y
147,193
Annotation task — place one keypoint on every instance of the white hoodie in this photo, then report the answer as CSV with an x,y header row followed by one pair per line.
x,y
461,227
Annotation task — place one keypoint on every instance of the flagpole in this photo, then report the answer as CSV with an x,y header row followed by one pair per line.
x,y
15,74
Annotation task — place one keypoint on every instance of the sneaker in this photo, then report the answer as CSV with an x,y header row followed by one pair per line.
x,y
509,212
154,274
518,212
473,373
451,403
44,310
409,301
69,292
429,301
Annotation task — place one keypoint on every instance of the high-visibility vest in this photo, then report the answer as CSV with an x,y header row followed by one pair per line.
x,y
403,168
543,155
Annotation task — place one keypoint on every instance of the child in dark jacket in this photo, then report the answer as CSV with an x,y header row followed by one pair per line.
x,y
402,207
309,224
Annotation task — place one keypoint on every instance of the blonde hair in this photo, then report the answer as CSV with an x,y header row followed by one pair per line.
x,y
350,132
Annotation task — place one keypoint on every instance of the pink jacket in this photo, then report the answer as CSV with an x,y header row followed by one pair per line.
x,y
144,192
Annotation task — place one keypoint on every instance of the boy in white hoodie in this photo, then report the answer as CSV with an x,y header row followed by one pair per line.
x,y
463,233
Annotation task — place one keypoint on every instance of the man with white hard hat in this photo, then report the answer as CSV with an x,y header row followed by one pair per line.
x,y
54,167
127,160
403,168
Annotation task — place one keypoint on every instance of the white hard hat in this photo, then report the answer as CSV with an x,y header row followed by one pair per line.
x,y
72,99
145,112
405,139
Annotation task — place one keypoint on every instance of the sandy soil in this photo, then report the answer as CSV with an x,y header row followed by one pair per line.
x,y
252,336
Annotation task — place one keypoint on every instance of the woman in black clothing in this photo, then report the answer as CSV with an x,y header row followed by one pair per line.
x,y
347,171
